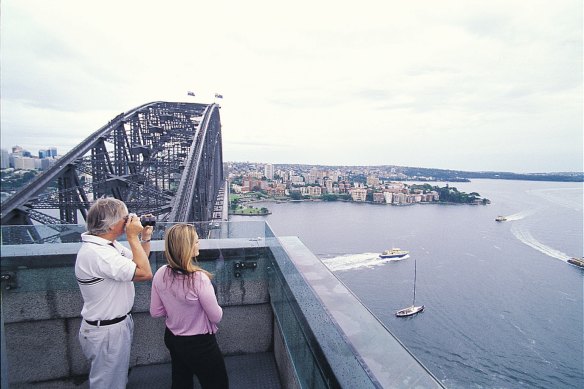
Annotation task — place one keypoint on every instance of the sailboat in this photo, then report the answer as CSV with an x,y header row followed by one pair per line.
x,y
413,309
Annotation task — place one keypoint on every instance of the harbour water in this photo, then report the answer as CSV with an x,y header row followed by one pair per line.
x,y
504,309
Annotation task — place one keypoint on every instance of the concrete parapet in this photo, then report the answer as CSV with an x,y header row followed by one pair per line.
x,y
42,317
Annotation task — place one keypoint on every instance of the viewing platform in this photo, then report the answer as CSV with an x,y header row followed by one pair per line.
x,y
288,321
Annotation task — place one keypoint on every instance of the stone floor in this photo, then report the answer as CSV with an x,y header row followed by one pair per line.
x,y
249,371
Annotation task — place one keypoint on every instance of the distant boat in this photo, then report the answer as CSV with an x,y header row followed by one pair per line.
x,y
500,218
412,309
394,253
576,261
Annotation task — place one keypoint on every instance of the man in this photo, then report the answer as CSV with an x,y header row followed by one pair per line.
x,y
105,272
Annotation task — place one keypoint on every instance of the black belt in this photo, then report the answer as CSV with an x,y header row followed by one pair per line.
x,y
106,322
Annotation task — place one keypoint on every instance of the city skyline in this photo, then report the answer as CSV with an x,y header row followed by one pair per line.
x,y
461,85
52,150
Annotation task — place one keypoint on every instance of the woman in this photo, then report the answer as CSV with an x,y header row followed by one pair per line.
x,y
183,293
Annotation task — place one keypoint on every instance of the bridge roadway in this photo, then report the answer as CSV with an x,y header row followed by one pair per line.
x,y
161,157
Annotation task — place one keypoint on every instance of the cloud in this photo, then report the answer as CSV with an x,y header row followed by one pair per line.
x,y
303,82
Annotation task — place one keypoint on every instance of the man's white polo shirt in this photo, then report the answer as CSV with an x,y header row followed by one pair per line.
x,y
104,274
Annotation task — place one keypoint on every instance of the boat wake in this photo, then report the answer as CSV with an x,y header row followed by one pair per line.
x,y
525,237
520,215
357,261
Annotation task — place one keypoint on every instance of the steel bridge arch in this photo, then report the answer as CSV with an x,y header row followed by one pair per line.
x,y
163,158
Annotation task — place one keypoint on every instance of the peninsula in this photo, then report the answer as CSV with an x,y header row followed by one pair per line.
x,y
261,182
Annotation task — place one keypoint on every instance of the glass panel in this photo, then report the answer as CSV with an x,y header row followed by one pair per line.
x,y
316,347
70,233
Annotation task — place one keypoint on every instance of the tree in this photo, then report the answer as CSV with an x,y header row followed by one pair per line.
x,y
329,197
234,203
295,195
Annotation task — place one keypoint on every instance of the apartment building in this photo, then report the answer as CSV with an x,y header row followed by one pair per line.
x,y
358,194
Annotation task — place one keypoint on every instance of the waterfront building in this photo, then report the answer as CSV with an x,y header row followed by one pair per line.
x,y
344,187
313,191
253,183
276,189
378,197
388,197
399,198
358,194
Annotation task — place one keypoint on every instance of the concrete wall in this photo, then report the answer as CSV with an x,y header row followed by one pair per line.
x,y
41,320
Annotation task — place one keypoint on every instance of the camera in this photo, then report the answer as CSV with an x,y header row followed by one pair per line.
x,y
148,220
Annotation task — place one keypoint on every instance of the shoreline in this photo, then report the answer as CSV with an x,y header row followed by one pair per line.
x,y
250,214
357,202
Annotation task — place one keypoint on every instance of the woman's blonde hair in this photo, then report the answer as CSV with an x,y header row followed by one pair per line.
x,y
179,241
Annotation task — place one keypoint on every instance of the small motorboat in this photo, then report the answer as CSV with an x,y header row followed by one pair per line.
x,y
394,253
500,219
576,261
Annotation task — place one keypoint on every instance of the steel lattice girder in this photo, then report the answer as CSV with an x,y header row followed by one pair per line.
x,y
162,158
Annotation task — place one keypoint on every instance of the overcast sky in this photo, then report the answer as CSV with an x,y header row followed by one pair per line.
x,y
468,85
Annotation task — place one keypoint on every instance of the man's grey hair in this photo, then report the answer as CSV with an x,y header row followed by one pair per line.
x,y
104,214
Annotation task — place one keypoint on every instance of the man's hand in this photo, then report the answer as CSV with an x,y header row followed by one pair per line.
x,y
133,227
140,256
147,231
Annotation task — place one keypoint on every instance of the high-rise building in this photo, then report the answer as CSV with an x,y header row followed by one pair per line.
x,y
4,159
25,163
52,151
269,171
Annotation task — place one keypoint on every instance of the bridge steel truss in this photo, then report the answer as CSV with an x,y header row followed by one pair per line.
x,y
162,158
